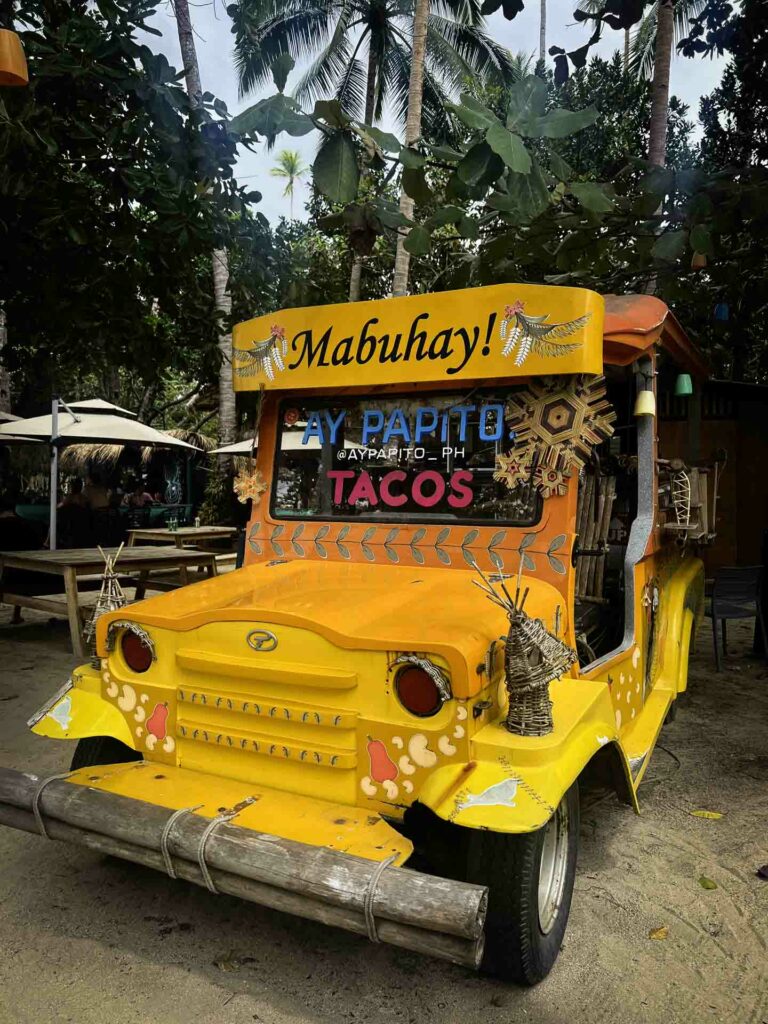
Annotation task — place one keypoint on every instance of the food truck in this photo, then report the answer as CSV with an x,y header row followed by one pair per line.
x,y
470,584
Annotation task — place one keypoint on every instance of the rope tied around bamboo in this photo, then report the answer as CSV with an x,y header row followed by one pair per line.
x,y
532,659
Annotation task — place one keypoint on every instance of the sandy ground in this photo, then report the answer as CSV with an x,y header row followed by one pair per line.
x,y
92,940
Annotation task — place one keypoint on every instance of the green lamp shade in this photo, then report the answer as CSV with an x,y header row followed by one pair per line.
x,y
683,385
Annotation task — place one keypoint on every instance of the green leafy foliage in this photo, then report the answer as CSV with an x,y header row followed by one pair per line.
x,y
336,172
510,147
113,192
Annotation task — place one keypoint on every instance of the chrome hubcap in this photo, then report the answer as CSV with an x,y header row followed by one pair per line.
x,y
552,867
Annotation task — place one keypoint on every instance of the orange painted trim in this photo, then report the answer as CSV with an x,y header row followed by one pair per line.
x,y
635,323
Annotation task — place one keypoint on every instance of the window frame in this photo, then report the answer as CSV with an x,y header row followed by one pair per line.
x,y
389,518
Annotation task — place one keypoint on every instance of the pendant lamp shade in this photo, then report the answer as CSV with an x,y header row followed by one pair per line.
x,y
645,404
13,63
683,385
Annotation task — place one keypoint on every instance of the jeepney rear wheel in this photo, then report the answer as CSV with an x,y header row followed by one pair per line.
x,y
530,880
94,750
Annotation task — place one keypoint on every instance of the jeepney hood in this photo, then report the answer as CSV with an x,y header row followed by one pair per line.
x,y
353,606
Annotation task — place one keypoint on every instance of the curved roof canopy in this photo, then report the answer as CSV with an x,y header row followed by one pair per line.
x,y
635,323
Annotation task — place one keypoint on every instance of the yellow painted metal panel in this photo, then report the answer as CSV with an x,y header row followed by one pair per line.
x,y
514,783
79,713
297,674
301,818
448,336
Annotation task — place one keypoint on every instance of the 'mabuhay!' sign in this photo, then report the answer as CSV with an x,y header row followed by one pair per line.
x,y
499,331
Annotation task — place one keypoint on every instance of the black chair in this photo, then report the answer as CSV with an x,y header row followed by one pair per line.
x,y
735,595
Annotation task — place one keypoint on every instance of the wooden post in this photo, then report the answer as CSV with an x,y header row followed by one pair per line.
x,y
73,613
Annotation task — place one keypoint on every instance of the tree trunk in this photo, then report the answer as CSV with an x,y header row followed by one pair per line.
x,y
412,133
543,32
657,140
221,293
188,52
356,276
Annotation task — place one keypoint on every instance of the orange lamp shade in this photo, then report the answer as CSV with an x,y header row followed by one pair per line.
x,y
13,63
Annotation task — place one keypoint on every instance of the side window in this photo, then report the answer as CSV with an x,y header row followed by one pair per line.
x,y
613,489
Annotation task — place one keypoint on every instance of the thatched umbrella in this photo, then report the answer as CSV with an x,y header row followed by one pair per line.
x,y
93,421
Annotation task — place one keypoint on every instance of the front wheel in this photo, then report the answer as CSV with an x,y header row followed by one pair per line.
x,y
530,880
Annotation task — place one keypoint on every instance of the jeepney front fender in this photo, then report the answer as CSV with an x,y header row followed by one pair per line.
x,y
78,710
514,783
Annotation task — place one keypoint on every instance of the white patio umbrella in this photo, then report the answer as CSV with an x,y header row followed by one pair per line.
x,y
90,422
290,442
100,405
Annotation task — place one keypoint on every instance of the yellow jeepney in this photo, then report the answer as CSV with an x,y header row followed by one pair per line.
x,y
467,583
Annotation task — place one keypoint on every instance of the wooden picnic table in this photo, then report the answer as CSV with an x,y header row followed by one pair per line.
x,y
72,563
184,536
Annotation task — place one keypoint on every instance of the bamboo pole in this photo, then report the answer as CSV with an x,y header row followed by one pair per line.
x,y
465,952
415,902
605,527
584,519
594,559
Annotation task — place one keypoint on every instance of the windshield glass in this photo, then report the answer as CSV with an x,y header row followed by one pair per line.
x,y
425,458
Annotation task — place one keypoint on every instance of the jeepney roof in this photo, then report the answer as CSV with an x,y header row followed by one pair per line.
x,y
635,323
495,333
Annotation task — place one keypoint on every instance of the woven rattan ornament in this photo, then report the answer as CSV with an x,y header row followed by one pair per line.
x,y
111,597
557,423
549,482
249,486
512,469
532,659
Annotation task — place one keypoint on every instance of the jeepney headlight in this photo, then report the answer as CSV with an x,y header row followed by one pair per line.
x,y
136,645
136,651
421,686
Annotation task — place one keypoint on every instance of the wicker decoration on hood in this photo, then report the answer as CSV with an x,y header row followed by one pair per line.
x,y
556,423
532,659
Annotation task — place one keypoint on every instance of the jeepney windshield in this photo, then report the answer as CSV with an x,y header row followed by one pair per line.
x,y
426,458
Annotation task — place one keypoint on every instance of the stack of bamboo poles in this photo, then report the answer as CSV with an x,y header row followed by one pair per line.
x,y
593,518
435,916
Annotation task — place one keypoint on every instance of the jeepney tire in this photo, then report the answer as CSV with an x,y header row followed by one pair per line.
x,y
94,750
516,947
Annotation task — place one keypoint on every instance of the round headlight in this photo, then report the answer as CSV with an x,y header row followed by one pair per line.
x,y
418,692
136,651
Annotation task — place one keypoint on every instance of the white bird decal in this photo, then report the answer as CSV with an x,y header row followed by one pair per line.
x,y
531,333
263,356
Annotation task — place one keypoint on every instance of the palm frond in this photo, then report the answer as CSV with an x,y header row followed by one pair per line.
x,y
478,53
394,81
643,42
350,91
643,45
436,124
323,75
267,30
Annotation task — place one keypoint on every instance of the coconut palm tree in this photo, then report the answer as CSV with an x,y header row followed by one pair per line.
x,y
363,56
362,51
543,32
290,167
643,42
220,258
412,131
662,61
